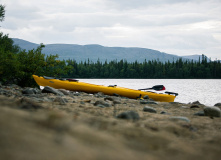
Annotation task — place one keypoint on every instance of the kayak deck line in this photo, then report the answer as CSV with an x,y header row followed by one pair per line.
x,y
75,85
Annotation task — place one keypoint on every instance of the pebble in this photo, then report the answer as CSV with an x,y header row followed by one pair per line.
x,y
212,111
64,91
200,113
149,109
99,94
194,106
28,91
196,102
102,104
180,118
25,103
61,100
36,96
116,100
147,102
184,107
164,112
130,115
146,97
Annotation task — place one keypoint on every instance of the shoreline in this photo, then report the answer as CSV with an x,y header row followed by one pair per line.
x,y
71,125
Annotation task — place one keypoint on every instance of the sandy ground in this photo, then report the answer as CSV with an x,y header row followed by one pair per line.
x,y
80,130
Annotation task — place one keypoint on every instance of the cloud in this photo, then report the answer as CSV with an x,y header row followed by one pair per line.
x,y
173,26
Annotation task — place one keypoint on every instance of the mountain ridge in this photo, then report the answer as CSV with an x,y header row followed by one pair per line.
x,y
95,52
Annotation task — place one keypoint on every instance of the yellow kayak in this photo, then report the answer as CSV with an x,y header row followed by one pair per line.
x,y
74,85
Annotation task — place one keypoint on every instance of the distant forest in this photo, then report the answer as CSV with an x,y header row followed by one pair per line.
x,y
203,69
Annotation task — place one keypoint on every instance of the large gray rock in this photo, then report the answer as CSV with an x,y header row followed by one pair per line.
x,y
212,111
48,89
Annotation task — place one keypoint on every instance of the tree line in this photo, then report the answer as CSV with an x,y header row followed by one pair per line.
x,y
17,66
180,69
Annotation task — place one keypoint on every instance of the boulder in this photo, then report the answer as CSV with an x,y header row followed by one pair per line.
x,y
212,111
217,104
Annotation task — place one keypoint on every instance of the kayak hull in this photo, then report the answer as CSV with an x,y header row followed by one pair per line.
x,y
109,90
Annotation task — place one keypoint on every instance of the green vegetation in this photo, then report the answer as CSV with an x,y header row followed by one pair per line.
x,y
17,66
2,13
148,69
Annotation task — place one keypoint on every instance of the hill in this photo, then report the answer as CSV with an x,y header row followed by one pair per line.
x,y
93,52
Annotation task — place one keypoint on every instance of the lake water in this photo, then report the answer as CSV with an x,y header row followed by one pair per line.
x,y
206,91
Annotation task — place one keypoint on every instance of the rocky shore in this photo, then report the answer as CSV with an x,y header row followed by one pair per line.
x,y
59,124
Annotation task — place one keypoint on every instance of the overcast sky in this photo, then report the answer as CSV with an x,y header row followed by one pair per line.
x,y
180,27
